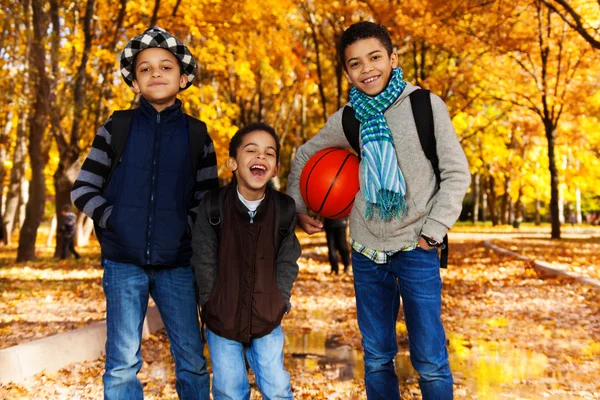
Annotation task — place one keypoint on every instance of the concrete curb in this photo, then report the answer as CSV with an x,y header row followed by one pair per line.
x,y
544,267
55,352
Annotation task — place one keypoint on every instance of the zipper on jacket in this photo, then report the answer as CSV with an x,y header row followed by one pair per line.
x,y
152,191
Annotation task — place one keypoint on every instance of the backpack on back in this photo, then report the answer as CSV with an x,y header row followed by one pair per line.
x,y
285,209
420,101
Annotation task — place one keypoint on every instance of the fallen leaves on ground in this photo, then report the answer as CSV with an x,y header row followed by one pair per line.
x,y
578,255
48,296
511,335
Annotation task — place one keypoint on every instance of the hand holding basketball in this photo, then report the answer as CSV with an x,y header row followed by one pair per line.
x,y
329,182
309,224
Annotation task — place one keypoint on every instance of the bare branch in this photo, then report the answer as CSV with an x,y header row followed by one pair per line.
x,y
575,21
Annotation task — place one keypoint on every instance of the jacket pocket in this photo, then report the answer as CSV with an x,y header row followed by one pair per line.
x,y
219,309
418,206
270,307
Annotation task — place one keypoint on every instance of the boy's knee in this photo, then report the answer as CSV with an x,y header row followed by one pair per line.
x,y
433,371
276,385
378,363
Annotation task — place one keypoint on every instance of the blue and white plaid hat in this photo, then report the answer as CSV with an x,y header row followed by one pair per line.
x,y
156,37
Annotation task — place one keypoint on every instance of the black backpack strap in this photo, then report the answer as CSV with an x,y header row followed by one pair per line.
x,y
286,209
213,205
444,253
420,101
121,123
351,127
197,134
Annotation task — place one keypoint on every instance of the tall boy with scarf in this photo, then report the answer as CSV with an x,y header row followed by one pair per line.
x,y
400,215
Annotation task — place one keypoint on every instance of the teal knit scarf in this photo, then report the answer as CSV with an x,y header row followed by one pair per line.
x,y
384,186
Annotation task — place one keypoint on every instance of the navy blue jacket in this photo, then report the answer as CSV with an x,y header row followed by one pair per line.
x,y
151,191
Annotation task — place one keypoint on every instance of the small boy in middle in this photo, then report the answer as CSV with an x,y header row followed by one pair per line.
x,y
244,274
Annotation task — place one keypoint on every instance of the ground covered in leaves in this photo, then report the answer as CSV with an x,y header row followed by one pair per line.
x,y
48,296
578,255
511,334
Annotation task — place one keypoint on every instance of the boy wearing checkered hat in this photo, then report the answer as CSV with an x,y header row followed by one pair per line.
x,y
143,198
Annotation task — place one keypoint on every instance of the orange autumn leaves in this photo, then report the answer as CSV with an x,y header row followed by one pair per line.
x,y
511,334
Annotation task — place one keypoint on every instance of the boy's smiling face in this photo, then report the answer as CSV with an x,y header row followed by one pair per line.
x,y
158,77
368,66
255,164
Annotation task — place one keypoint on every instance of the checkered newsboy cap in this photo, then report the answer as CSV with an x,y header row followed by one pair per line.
x,y
156,37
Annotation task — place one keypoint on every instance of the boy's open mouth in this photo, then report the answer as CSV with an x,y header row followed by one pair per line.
x,y
258,170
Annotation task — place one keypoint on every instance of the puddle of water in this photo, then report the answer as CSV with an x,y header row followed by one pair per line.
x,y
488,370
497,370
323,352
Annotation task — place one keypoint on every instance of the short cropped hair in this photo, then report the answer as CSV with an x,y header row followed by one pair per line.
x,y
238,138
363,30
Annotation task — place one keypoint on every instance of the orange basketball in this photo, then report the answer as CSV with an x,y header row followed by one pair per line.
x,y
329,182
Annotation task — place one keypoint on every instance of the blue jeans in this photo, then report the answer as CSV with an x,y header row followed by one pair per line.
x,y
265,357
415,276
127,287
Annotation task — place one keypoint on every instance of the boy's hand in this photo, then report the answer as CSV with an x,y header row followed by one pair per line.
x,y
309,224
423,244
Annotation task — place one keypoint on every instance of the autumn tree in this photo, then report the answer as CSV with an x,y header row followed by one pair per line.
x,y
549,62
581,16
68,145
38,146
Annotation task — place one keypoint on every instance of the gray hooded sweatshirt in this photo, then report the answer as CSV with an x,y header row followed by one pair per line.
x,y
429,211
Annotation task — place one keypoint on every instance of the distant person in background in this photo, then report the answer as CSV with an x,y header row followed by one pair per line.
x,y
66,230
335,232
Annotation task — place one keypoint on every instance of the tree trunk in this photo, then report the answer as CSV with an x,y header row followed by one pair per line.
x,y
11,217
561,208
69,151
491,199
476,195
17,177
37,148
4,144
259,101
554,212
538,218
312,21
578,206
85,227
518,207
51,232
504,217
303,119
484,206
339,76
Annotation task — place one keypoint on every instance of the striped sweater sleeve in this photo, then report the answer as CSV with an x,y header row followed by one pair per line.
x,y
206,179
86,194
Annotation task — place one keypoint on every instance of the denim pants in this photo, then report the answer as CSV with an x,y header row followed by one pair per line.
x,y
415,276
265,357
127,287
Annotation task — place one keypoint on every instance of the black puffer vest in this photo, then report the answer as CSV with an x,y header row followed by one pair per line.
x,y
150,190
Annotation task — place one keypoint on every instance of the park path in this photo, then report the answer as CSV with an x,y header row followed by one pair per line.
x,y
511,335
